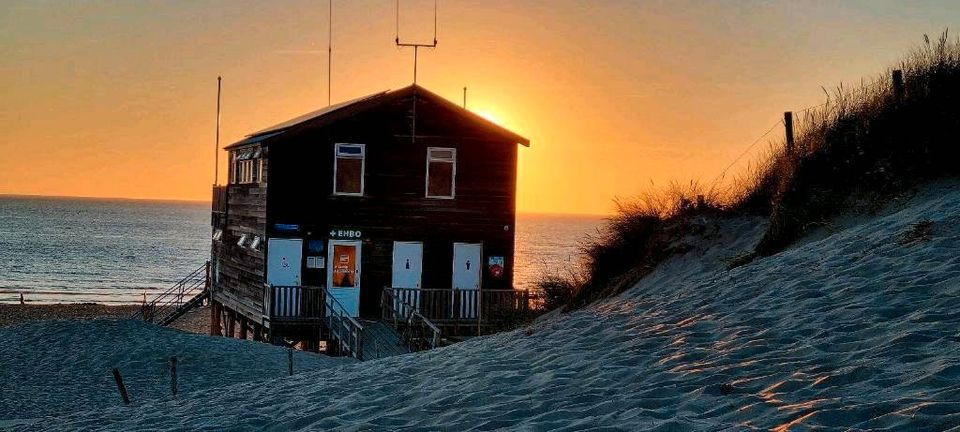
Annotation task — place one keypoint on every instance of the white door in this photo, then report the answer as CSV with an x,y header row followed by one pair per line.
x,y
343,274
466,276
407,270
283,270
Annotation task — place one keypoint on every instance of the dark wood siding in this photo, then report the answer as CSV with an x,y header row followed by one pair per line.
x,y
394,206
241,270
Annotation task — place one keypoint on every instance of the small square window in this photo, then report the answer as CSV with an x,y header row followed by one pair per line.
x,y
243,240
255,244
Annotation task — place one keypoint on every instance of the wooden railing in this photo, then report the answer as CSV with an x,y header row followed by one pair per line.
x,y
314,305
166,306
218,214
416,331
294,303
479,309
219,199
344,329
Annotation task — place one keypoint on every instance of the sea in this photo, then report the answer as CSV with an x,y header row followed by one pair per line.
x,y
116,251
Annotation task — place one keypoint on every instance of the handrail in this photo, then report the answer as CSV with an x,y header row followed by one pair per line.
x,y
411,320
167,303
353,342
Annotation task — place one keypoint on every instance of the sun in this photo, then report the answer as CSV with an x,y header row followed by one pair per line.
x,y
487,115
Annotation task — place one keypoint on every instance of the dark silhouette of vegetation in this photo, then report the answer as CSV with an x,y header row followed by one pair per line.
x,y
862,147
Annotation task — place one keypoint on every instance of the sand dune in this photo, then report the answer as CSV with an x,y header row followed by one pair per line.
x,y
857,327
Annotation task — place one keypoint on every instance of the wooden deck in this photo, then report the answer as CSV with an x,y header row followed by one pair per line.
x,y
466,312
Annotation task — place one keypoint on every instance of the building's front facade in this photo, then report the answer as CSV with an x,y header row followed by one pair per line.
x,y
399,189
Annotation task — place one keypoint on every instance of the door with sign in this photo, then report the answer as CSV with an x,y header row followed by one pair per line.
x,y
466,277
343,274
284,258
407,270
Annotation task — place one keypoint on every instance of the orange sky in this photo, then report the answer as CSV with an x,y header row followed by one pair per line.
x,y
117,99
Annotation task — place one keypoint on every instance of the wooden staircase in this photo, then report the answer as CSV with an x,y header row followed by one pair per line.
x,y
177,300
380,341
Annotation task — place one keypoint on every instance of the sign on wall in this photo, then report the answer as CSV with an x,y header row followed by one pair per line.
x,y
345,234
495,265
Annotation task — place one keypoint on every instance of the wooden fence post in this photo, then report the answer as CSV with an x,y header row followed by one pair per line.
x,y
122,388
898,87
290,361
173,375
788,125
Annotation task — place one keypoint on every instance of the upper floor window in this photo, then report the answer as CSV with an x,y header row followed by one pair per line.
x,y
348,169
441,172
247,166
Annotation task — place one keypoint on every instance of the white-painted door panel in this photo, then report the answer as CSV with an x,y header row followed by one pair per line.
x,y
343,274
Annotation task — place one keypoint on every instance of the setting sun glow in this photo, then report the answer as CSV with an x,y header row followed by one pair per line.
x,y
103,99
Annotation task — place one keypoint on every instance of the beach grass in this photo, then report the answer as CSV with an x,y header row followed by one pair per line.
x,y
861,148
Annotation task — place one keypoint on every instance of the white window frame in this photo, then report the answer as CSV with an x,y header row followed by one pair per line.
x,y
248,170
363,166
453,174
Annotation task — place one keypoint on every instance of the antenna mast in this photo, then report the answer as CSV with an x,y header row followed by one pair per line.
x,y
216,148
329,48
417,46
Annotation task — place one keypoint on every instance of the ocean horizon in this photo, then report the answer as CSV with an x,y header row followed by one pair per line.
x,y
56,249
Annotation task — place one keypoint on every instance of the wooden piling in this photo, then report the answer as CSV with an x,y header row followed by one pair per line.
x,y
173,375
257,333
214,319
788,127
120,387
21,298
231,321
243,327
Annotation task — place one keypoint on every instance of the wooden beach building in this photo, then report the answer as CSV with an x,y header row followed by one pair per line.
x,y
394,207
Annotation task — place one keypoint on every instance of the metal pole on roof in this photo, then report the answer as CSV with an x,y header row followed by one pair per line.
x,y
216,148
416,46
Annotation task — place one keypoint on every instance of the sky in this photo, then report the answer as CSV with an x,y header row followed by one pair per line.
x,y
618,98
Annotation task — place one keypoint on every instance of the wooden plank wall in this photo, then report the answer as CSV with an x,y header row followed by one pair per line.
x,y
242,269
393,206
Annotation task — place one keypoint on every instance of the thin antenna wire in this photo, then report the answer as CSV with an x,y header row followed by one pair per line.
x,y
329,50
397,34
434,22
216,148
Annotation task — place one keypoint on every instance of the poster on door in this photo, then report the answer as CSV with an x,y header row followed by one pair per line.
x,y
344,265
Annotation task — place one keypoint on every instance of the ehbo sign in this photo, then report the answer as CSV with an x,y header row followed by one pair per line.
x,y
345,234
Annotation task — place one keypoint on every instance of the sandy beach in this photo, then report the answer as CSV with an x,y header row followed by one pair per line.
x,y
196,321
855,328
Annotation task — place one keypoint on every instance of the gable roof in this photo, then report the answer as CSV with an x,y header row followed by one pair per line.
x,y
350,108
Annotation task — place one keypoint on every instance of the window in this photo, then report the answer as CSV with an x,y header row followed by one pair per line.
x,y
348,169
255,245
243,240
217,234
441,172
247,166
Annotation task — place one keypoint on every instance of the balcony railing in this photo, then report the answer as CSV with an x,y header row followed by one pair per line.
x,y
294,303
480,309
305,305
